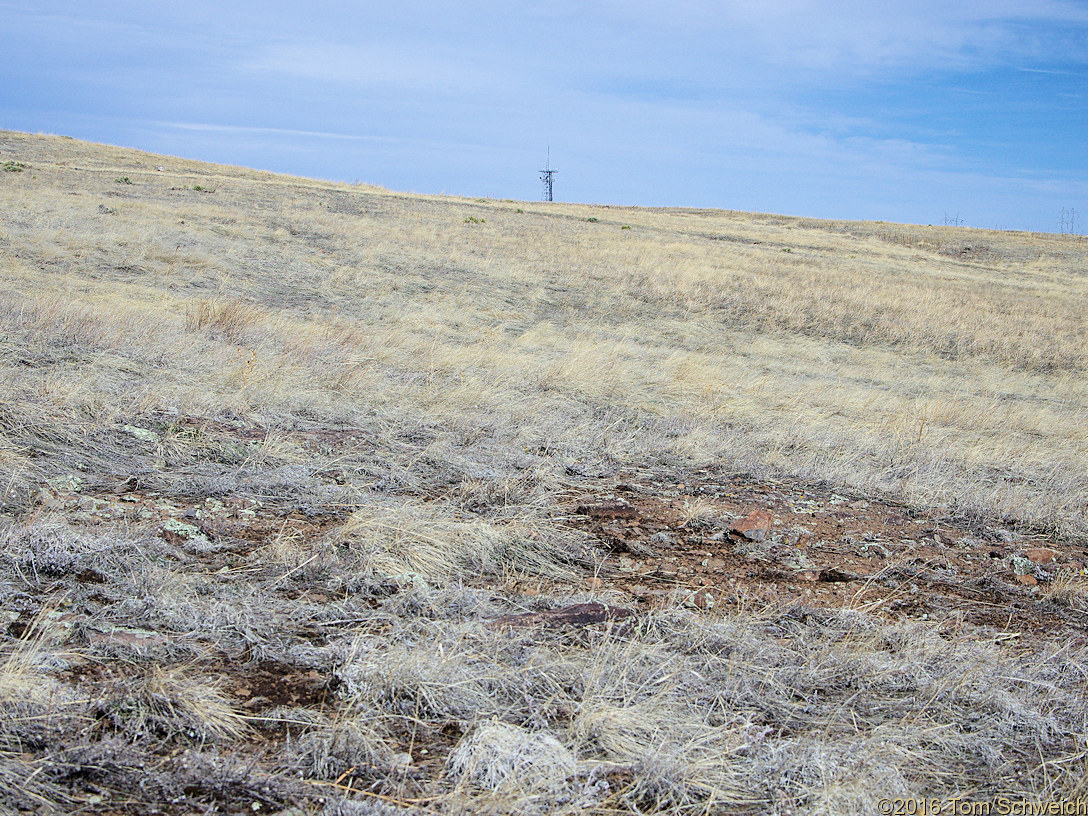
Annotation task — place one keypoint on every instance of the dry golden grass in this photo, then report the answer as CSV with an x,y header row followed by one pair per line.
x,y
944,365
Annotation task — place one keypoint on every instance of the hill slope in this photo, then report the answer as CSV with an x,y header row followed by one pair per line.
x,y
282,460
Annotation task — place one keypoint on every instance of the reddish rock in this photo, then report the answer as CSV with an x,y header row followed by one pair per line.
x,y
577,615
613,509
833,575
135,638
754,527
1040,555
699,600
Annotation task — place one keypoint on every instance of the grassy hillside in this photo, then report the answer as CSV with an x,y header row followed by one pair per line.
x,y
276,454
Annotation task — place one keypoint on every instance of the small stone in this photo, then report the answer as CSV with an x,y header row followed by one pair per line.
x,y
1021,565
133,638
871,549
89,504
833,575
698,600
577,615
66,484
178,532
1040,555
798,537
142,434
754,527
612,509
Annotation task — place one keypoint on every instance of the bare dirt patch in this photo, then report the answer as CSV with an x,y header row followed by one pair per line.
x,y
268,684
669,539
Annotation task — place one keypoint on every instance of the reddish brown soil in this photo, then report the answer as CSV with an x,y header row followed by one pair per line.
x,y
823,549
661,538
269,684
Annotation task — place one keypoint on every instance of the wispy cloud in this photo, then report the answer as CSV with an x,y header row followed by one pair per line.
x,y
213,128
378,63
1051,71
799,41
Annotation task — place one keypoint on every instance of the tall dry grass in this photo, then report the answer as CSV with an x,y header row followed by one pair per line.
x,y
943,365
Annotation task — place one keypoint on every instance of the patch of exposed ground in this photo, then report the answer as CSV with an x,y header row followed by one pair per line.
x,y
712,538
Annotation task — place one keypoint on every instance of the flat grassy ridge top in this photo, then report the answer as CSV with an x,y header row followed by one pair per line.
x,y
277,453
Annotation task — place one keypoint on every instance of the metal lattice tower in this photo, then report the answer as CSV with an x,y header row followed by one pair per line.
x,y
546,176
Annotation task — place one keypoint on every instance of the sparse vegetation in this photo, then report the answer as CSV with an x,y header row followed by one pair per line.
x,y
14,167
281,469
230,318
123,180
1069,586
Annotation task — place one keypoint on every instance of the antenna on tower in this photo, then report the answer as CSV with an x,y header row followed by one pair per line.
x,y
546,176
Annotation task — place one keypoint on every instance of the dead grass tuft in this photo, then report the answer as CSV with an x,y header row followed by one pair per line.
x,y
353,745
229,319
1069,588
696,513
435,543
25,681
504,758
175,701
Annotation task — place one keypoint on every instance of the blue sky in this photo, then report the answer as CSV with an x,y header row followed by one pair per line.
x,y
826,109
